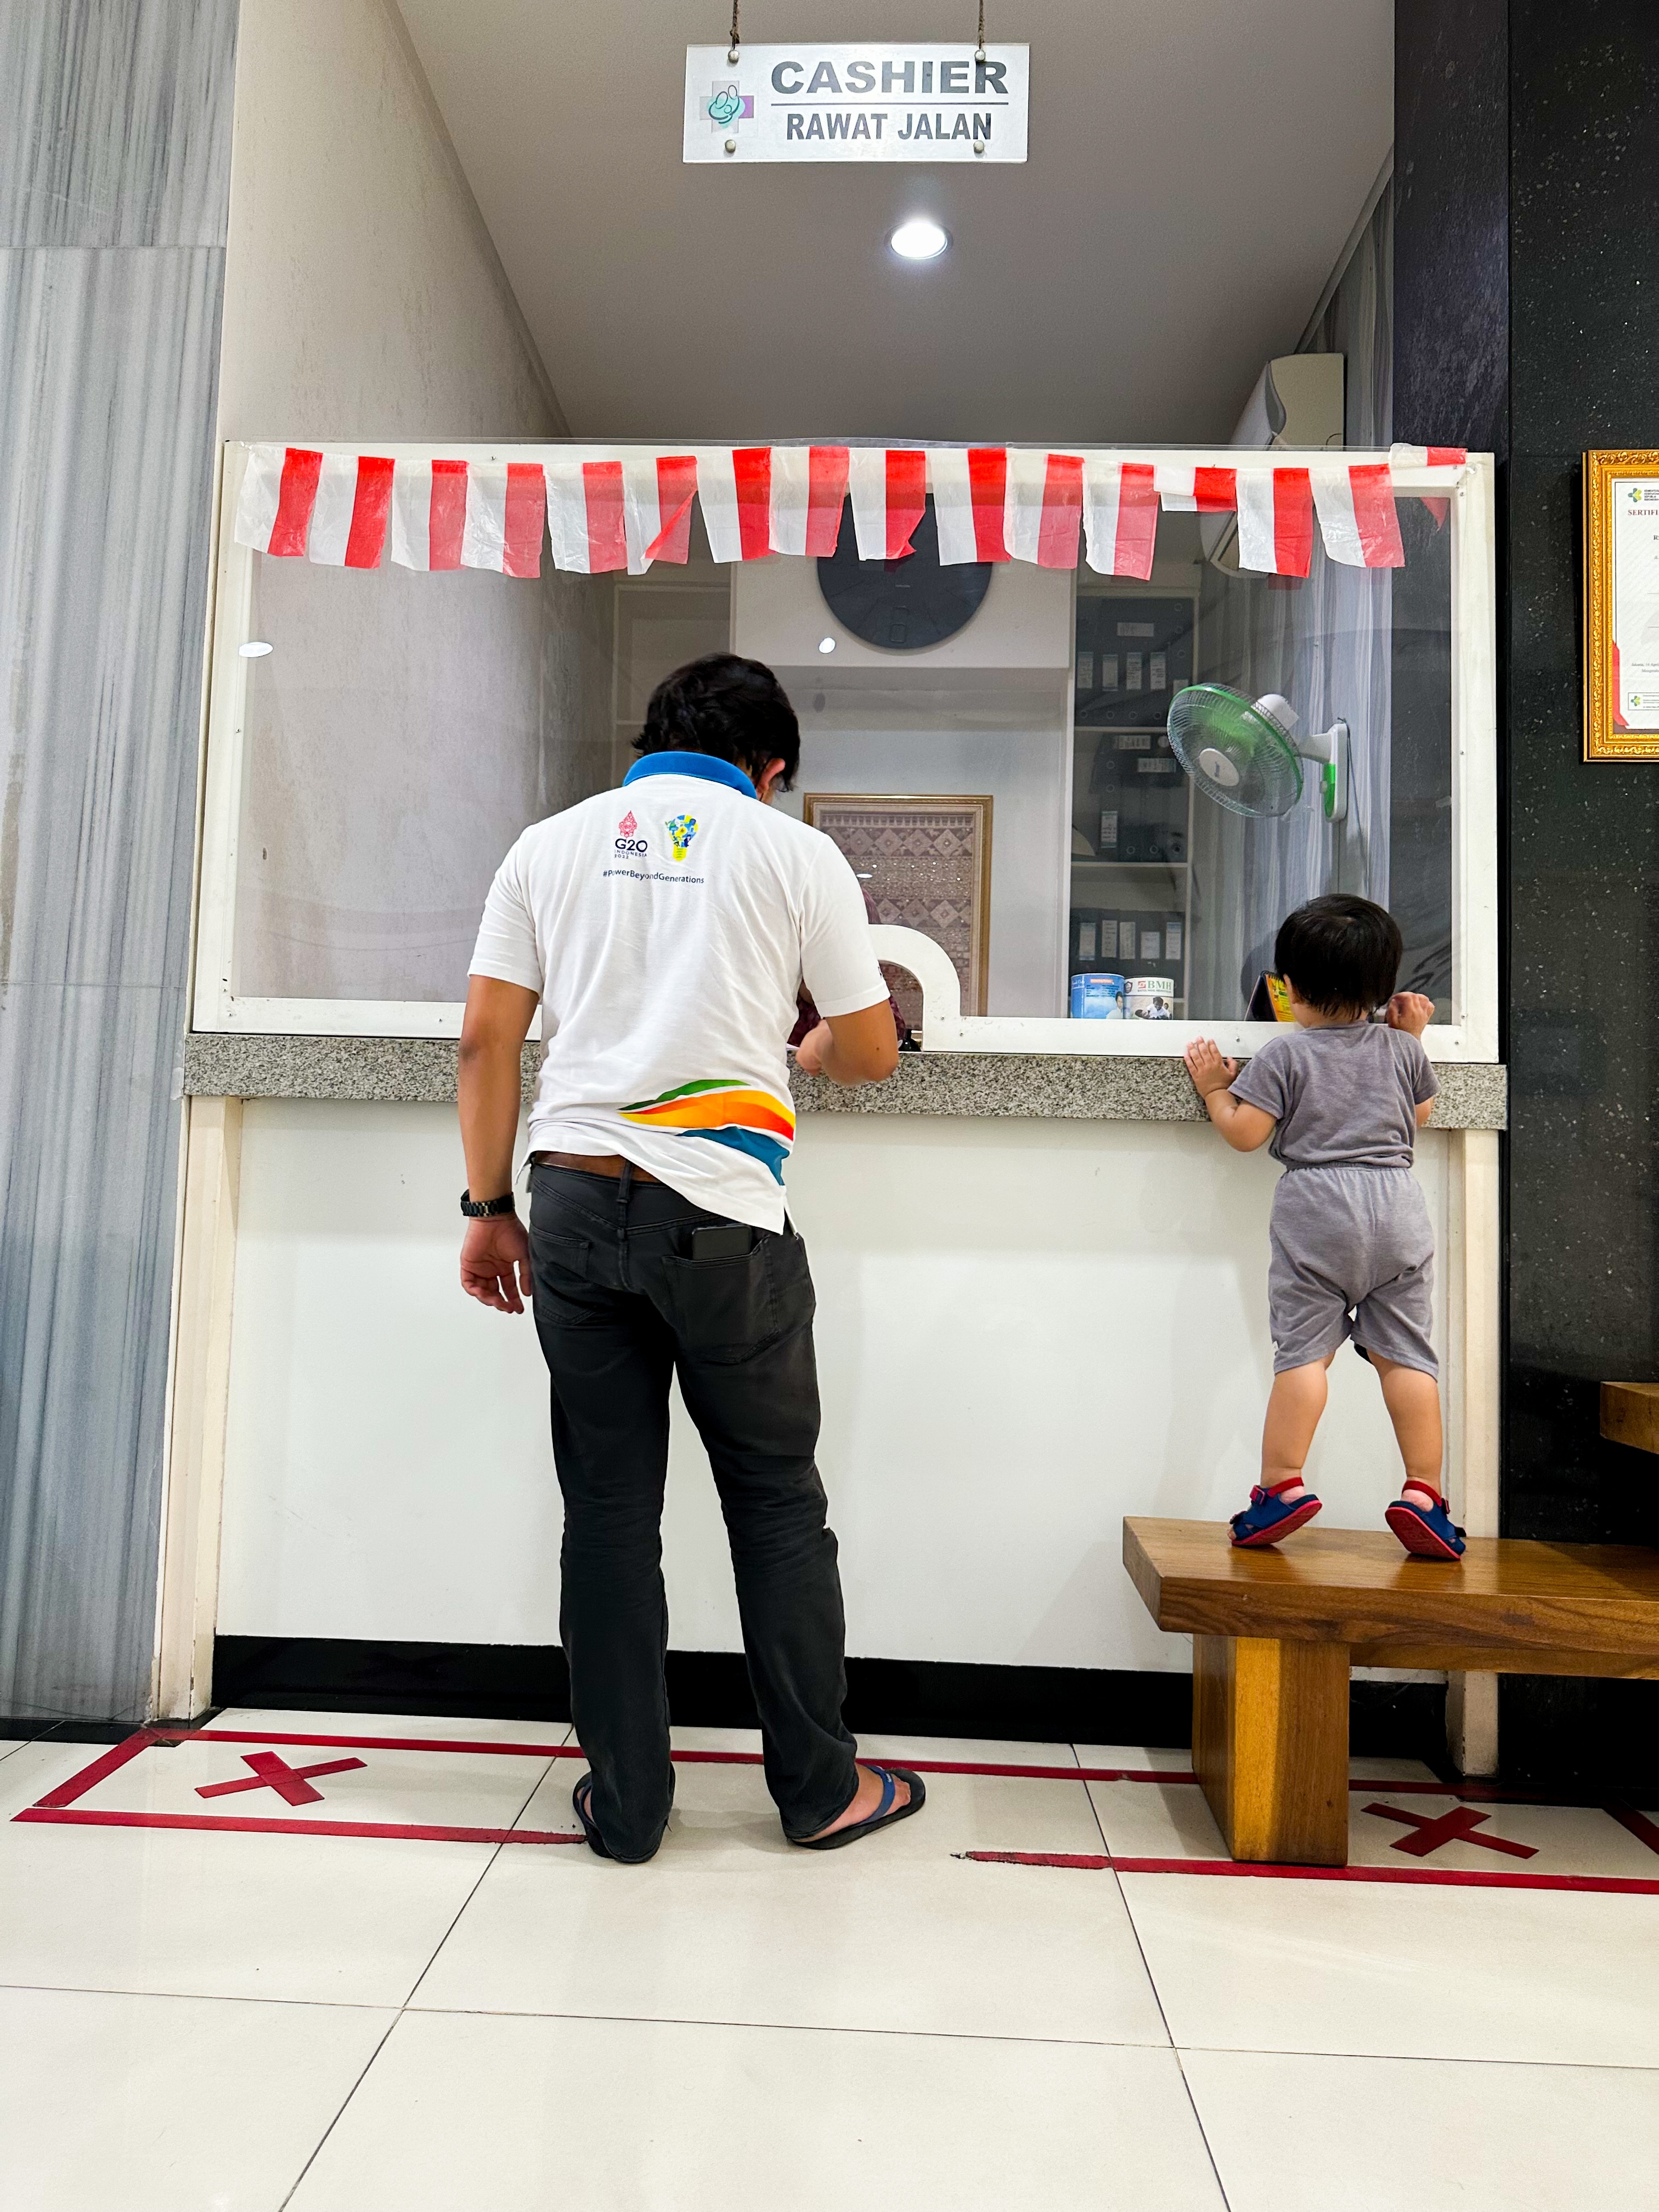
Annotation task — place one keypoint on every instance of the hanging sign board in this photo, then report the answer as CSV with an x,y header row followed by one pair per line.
x,y
856,103
1621,605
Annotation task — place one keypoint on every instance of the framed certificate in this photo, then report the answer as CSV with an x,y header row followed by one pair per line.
x,y
926,863
1621,605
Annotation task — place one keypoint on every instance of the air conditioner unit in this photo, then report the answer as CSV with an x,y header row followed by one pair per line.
x,y
1298,403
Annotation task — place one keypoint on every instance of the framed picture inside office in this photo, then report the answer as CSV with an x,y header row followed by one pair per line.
x,y
924,863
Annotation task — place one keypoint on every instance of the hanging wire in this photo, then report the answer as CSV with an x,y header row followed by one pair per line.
x,y
731,53
979,56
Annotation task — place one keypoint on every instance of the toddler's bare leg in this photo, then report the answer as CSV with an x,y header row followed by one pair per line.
x,y
1414,1402
1294,1406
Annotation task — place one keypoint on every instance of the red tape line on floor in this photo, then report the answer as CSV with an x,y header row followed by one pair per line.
x,y
96,1817
1422,1877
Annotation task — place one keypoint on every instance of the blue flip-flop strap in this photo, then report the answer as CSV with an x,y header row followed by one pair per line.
x,y
889,1792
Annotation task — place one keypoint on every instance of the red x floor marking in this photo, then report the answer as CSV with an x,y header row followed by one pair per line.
x,y
1457,1826
270,1772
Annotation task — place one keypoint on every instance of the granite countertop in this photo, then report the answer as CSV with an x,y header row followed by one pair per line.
x,y
1043,1085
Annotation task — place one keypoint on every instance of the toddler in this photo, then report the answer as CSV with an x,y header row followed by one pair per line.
x,y
1353,1255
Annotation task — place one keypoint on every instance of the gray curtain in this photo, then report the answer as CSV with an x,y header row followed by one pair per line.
x,y
1325,644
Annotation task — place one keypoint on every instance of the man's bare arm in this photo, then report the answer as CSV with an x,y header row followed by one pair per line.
x,y
851,1048
495,1253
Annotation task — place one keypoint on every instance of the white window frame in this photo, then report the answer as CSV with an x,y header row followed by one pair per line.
x,y
218,1004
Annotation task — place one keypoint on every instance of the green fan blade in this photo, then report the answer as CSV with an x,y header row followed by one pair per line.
x,y
1236,754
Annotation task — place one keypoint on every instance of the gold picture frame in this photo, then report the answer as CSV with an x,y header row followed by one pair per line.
x,y
1621,605
926,861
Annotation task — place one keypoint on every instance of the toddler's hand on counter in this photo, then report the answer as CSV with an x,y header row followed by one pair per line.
x,y
1410,1010
1208,1070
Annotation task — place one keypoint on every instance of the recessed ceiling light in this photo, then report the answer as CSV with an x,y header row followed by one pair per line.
x,y
826,645
255,649
918,239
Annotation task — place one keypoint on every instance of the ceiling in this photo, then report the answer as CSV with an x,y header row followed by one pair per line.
x,y
1196,167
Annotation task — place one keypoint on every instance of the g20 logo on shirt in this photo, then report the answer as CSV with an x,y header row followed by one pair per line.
x,y
627,843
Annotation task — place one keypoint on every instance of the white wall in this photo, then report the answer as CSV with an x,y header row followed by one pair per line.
x,y
1027,1329
363,296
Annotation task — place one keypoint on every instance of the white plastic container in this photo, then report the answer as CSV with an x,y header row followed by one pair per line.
x,y
1098,998
1150,998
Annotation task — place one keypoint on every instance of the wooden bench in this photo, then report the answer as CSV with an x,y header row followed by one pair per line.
x,y
1630,1415
1274,1633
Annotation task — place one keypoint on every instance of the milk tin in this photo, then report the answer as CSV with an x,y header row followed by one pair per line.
x,y
1150,998
1097,998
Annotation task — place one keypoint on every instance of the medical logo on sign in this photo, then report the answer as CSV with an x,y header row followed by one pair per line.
x,y
856,103
727,105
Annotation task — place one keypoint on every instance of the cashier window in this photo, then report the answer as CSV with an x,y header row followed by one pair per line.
x,y
366,773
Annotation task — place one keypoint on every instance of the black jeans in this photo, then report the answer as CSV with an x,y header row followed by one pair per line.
x,y
620,1306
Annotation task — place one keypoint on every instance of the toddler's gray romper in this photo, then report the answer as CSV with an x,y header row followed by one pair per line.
x,y
1353,1252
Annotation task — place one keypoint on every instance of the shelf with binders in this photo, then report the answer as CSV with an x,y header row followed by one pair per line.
x,y
1133,653
1134,893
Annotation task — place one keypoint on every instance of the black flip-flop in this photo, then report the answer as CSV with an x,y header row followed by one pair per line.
x,y
883,1816
581,1798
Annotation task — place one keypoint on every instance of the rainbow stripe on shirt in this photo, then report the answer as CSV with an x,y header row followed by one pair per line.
x,y
734,1114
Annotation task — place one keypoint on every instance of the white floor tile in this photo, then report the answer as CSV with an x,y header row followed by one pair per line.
x,y
466,2113
1256,1964
716,1739
729,1922
723,1817
1373,2135
35,1768
1389,1769
413,1788
168,2104
1134,1758
266,1719
1157,1821
11,1743
333,1919
966,1750
1563,1838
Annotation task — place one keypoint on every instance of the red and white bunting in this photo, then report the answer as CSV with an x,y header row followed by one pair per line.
x,y
970,489
1120,516
658,490
330,506
1197,491
585,519
734,489
809,490
505,501
889,486
1043,513
1275,521
633,506
1356,517
429,514
1428,457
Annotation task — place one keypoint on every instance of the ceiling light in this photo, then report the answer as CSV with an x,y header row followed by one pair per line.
x,y
255,649
826,645
918,239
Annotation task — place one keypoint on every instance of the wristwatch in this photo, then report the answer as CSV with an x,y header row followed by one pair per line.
x,y
486,1209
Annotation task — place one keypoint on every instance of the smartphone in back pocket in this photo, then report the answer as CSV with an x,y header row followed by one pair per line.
x,y
723,1240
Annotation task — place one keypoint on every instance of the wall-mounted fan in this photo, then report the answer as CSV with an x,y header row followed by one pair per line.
x,y
1247,757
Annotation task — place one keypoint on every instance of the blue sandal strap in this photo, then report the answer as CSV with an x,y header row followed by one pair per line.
x,y
889,1794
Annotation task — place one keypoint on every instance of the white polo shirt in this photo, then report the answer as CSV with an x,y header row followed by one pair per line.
x,y
668,927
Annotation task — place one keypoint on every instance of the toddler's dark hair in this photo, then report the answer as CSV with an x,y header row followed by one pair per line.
x,y
1342,953
733,708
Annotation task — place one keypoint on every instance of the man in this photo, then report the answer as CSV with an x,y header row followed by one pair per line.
x,y
667,928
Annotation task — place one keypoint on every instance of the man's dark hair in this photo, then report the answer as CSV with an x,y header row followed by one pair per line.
x,y
1342,953
733,709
